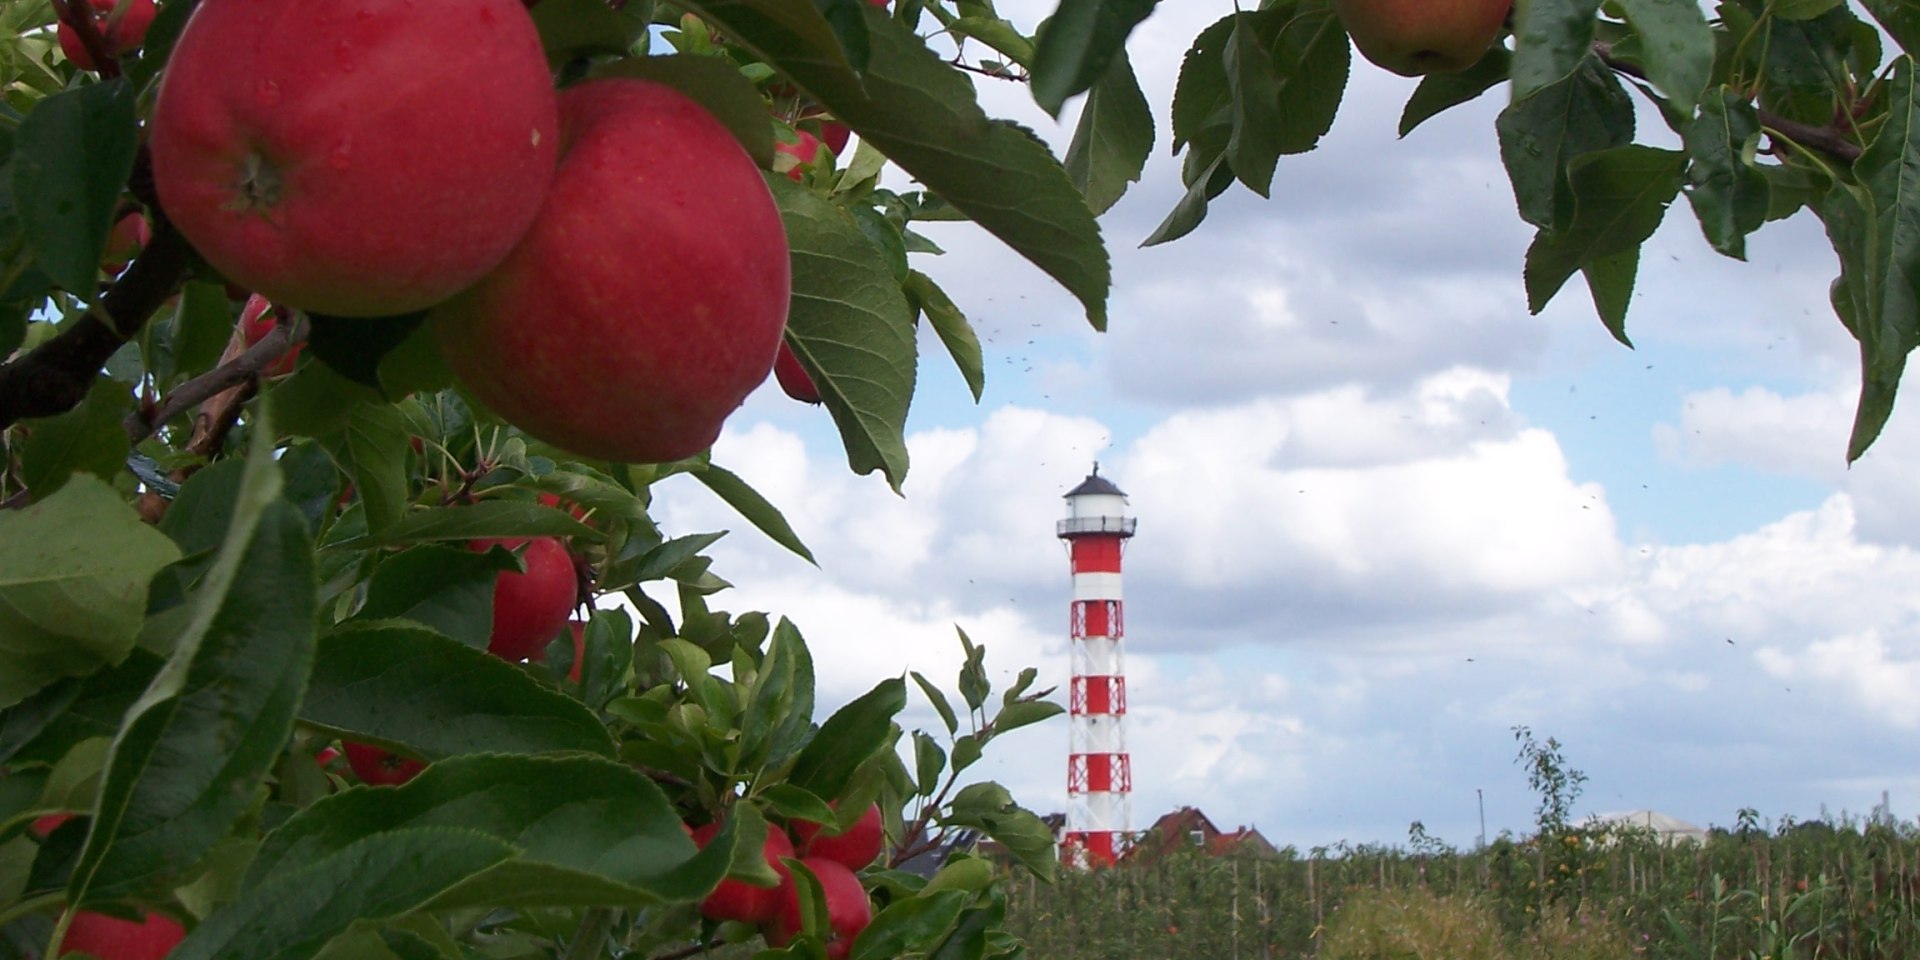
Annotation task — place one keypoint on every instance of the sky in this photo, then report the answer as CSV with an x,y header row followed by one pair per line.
x,y
1385,515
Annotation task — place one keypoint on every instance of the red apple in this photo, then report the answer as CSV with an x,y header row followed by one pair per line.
x,y
805,151
111,938
326,756
793,377
360,158
579,632
45,826
835,135
649,296
257,319
848,910
1415,37
377,767
129,236
854,847
529,609
553,500
123,31
739,900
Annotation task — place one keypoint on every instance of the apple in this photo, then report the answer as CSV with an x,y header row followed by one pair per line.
x,y
129,236
529,609
1416,37
358,159
649,296
45,826
377,767
578,630
793,377
805,151
835,135
739,900
123,31
853,847
256,321
553,500
848,910
111,938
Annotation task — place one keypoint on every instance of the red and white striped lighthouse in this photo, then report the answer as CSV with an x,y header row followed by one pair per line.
x,y
1099,775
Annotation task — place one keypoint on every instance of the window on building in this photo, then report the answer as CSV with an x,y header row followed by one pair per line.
x,y
1199,837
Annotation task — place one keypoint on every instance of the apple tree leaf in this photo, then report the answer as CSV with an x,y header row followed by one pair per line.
x,y
73,585
487,519
1540,135
851,327
218,714
750,504
1078,43
1439,92
1677,47
447,589
912,925
90,438
71,158
399,685
847,739
962,344
1111,141
1729,197
1620,197
924,116
1551,39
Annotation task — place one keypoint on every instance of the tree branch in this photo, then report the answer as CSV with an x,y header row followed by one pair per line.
x,y
241,367
1829,140
78,16
55,377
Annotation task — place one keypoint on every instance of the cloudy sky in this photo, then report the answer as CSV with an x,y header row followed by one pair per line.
x,y
1384,514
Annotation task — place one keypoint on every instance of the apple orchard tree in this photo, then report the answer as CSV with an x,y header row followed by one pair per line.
x,y
344,340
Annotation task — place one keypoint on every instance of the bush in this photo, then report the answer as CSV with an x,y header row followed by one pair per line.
x,y
1412,924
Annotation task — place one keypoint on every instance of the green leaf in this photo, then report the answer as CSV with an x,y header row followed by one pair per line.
x,y
71,158
488,519
910,926
923,115
372,449
579,826
852,329
1610,281
1551,39
995,33
929,762
1620,197
849,27
1439,92
939,701
1078,43
1875,228
1677,44
716,84
397,684
448,590
1542,134
750,504
570,29
381,876
770,697
73,585
202,325
796,804
1201,99
1021,713
1729,196
218,715
90,438
952,327
1900,18
1111,141
1253,85
848,739
43,727
988,807
1192,208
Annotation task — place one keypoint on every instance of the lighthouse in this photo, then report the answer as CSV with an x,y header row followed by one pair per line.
x,y
1099,775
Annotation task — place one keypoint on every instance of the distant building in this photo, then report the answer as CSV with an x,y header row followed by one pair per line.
x,y
1188,828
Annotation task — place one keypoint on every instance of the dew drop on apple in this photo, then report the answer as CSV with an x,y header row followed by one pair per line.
x,y
266,93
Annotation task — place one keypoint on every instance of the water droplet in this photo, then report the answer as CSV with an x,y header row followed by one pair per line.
x,y
266,93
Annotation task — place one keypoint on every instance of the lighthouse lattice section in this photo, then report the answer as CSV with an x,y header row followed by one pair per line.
x,y
1099,773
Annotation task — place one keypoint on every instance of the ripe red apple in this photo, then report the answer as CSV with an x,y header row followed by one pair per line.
x,y
649,296
848,910
793,377
257,319
835,135
377,767
123,31
111,938
854,847
553,500
739,900
1415,37
129,236
45,826
360,158
530,608
805,151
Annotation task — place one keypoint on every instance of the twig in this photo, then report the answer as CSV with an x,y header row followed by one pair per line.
x,y
56,375
240,367
684,952
998,74
1829,140
78,16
